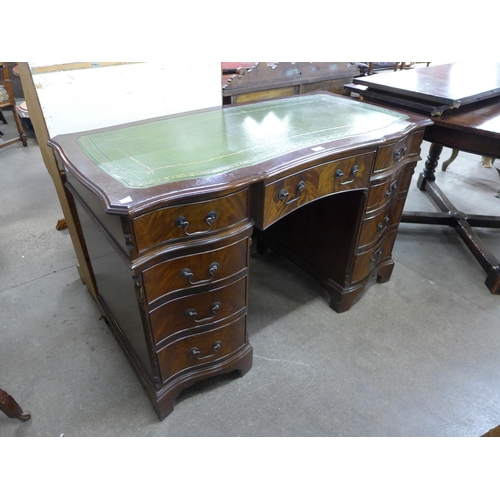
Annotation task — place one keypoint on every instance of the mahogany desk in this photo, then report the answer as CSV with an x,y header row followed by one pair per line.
x,y
166,209
464,102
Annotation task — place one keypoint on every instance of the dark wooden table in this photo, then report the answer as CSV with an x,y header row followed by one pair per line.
x,y
463,101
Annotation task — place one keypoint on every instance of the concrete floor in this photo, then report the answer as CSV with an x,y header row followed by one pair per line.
x,y
417,356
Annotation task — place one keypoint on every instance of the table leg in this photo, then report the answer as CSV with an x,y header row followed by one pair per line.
x,y
450,160
431,164
11,408
461,222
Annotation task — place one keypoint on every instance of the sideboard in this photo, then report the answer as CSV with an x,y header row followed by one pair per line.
x,y
167,209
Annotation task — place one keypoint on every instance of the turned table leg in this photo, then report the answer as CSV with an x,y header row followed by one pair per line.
x,y
11,408
428,173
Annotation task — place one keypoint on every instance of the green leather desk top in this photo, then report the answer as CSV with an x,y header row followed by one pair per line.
x,y
216,141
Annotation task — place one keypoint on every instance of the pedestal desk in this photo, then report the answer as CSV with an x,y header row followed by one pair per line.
x,y
463,100
167,208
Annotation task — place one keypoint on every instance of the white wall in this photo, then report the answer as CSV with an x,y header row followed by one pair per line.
x,y
85,99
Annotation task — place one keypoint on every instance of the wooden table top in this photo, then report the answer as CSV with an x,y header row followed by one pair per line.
x,y
132,166
474,128
453,85
219,140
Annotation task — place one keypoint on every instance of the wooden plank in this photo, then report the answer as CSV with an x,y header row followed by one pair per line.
x,y
37,70
42,135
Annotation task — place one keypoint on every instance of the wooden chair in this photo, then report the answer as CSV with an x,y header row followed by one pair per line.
x,y
11,408
11,103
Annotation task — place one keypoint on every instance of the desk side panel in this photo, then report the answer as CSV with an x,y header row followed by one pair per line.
x,y
116,288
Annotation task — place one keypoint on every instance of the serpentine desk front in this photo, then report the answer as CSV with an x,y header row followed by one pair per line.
x,y
167,208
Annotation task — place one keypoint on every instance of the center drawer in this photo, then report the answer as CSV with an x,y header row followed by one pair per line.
x,y
198,309
289,193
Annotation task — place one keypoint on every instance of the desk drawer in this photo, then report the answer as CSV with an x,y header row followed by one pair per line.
x,y
198,309
395,154
366,262
386,189
285,195
184,273
203,348
182,221
379,223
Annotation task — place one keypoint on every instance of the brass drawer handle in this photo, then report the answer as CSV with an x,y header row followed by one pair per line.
x,y
381,226
193,314
376,254
392,189
339,174
215,347
188,274
284,194
181,221
399,154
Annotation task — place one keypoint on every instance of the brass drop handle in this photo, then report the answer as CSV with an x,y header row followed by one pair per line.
x,y
352,175
191,313
381,226
215,347
376,254
284,194
392,189
210,218
399,154
188,274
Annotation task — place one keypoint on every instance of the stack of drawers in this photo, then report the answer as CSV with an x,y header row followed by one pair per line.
x,y
389,185
193,287
187,265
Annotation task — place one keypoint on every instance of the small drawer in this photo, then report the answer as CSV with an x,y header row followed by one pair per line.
x,y
194,219
285,195
366,262
195,270
195,350
198,309
395,154
378,224
386,189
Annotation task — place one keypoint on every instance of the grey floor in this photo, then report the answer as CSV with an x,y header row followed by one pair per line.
x,y
417,356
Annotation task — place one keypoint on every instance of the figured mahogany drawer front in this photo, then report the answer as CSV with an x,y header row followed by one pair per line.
x,y
366,262
386,189
287,194
198,309
379,223
395,154
198,349
193,219
194,270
